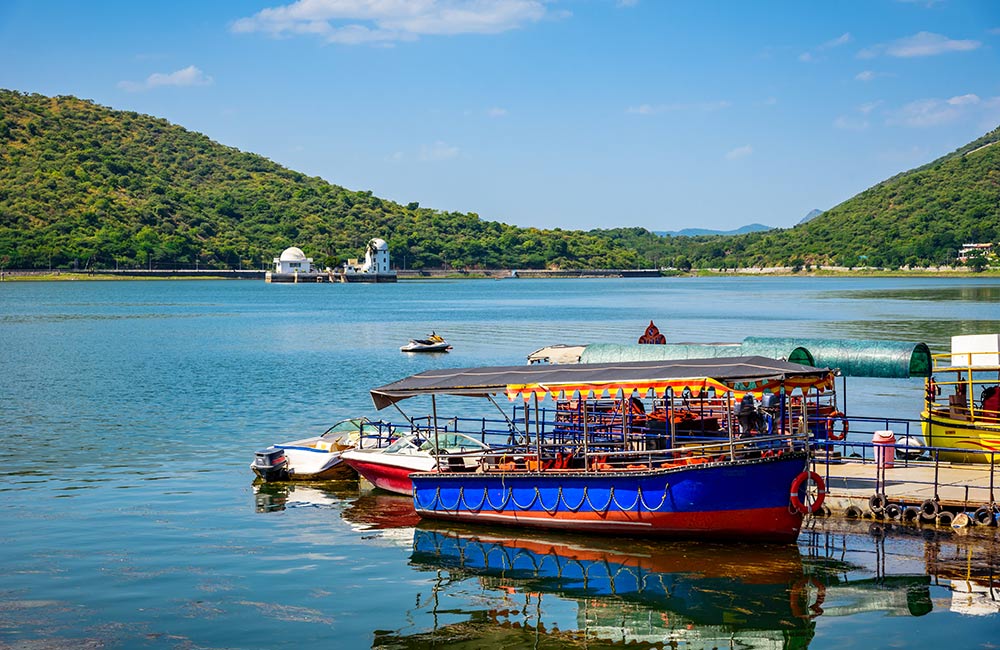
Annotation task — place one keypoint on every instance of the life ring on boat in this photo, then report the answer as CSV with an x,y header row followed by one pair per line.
x,y
831,428
820,492
800,598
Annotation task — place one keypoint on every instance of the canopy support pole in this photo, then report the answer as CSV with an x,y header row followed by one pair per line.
x,y
437,447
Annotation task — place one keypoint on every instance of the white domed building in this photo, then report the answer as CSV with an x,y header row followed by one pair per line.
x,y
293,260
376,257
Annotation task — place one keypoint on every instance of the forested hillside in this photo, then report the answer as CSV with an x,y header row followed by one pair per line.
x,y
83,184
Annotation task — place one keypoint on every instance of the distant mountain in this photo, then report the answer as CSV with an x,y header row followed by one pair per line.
x,y
809,217
696,232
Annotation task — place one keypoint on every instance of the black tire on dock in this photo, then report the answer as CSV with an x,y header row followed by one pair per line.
x,y
945,518
911,513
929,510
877,503
853,512
894,511
983,516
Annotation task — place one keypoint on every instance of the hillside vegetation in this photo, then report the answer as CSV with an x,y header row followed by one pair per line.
x,y
83,185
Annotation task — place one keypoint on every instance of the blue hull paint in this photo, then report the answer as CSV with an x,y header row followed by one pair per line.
x,y
749,496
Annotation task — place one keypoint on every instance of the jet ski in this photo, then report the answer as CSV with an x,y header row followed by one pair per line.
x,y
432,343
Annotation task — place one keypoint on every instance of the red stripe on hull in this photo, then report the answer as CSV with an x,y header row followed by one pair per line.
x,y
764,524
386,477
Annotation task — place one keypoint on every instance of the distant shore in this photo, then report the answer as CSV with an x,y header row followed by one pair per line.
x,y
61,275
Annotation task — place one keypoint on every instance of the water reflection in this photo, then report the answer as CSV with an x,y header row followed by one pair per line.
x,y
975,293
611,592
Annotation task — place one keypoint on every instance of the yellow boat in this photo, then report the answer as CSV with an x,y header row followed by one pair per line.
x,y
962,401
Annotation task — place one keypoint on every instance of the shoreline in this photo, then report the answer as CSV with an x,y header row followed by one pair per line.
x,y
501,274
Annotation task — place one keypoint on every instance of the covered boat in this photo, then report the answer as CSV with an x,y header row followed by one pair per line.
x,y
708,448
962,401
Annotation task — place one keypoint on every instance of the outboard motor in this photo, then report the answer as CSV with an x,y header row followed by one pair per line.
x,y
271,464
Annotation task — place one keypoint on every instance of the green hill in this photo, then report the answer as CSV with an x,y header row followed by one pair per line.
x,y
86,185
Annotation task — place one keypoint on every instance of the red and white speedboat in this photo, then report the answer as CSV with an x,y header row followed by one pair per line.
x,y
389,468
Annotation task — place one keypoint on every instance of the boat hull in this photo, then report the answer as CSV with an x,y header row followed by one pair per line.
x,y
388,472
727,500
964,441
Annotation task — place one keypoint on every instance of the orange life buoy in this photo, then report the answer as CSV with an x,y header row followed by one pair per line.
x,y
801,595
831,429
820,492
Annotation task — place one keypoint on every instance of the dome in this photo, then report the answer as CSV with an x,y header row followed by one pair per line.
x,y
293,254
378,244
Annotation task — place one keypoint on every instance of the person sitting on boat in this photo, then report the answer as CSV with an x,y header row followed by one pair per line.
x,y
746,413
991,403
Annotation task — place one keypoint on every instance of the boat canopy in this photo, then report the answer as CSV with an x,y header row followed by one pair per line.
x,y
853,358
614,352
737,375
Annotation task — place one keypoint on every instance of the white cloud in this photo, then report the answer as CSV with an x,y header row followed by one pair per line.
x,y
189,76
496,111
843,39
626,3
395,157
437,152
994,31
849,123
739,152
653,109
866,75
868,107
353,22
934,112
920,44
964,100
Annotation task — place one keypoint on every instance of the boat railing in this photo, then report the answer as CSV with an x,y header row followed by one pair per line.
x,y
606,440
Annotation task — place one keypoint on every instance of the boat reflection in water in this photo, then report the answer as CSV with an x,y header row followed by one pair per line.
x,y
612,592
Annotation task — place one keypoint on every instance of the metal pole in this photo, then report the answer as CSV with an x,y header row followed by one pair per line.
x,y
538,435
586,461
437,447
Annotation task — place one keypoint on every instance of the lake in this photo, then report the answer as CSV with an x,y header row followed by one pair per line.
x,y
131,411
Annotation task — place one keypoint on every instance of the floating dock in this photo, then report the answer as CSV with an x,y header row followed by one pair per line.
x,y
908,491
328,277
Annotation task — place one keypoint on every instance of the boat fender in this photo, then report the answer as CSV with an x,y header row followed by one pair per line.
x,y
831,428
877,503
797,484
929,510
911,514
945,518
961,520
853,512
894,511
984,516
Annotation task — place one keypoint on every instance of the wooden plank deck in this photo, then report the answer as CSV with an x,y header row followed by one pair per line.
x,y
963,487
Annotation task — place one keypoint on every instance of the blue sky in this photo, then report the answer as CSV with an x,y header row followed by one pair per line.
x,y
664,114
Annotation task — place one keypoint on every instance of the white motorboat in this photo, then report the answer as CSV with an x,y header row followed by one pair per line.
x,y
319,457
390,468
433,343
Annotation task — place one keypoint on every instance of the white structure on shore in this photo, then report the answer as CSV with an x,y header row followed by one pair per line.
x,y
376,260
293,260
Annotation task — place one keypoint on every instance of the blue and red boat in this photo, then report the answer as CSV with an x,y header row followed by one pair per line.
x,y
696,448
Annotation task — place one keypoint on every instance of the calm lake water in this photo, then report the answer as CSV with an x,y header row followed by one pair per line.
x,y
131,411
